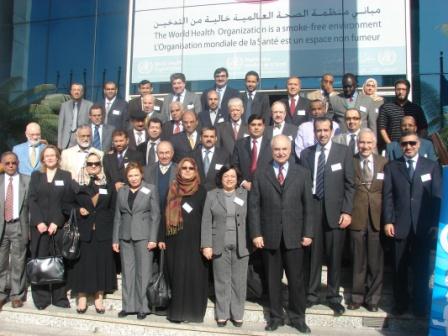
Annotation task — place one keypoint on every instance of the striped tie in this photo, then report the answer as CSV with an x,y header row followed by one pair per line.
x,y
320,174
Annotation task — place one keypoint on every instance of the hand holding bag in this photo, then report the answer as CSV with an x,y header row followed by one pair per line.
x,y
159,291
70,238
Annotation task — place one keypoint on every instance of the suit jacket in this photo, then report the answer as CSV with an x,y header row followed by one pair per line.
x,y
191,102
220,158
289,130
182,147
228,94
65,136
22,152
142,221
214,217
132,141
167,130
242,155
224,133
301,113
204,118
412,204
151,174
106,137
24,181
135,106
118,115
363,103
142,148
277,211
260,106
394,152
113,171
367,201
338,180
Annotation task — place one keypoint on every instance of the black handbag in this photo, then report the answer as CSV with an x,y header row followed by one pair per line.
x,y
46,270
70,238
159,291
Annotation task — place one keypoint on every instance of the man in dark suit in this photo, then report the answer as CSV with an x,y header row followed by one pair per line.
x,y
137,134
174,125
149,147
136,105
253,151
367,252
101,133
209,158
187,141
297,107
280,224
352,123
331,166
411,205
230,131
116,109
213,115
149,108
14,230
255,102
225,92
278,115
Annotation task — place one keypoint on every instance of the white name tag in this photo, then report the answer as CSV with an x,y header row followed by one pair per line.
x,y
220,120
116,112
187,207
426,177
376,110
59,183
362,109
103,191
380,176
238,201
190,106
301,112
336,167
156,108
218,166
145,190
290,137
246,135
126,164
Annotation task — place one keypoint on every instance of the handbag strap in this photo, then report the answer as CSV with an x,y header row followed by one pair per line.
x,y
73,220
162,259
34,255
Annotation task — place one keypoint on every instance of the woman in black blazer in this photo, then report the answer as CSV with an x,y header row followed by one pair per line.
x,y
94,272
50,192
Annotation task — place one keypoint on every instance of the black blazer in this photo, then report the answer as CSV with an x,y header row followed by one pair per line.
x,y
135,106
113,171
220,158
412,204
242,155
260,106
118,113
132,143
281,211
301,113
167,130
289,130
228,94
181,145
204,118
224,133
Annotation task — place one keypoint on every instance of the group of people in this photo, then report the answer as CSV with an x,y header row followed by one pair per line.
x,y
225,184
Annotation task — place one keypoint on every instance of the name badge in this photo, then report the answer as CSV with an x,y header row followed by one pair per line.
x,y
218,166
126,164
145,190
59,183
380,176
238,201
290,137
301,112
116,112
103,191
362,109
190,106
246,135
187,207
336,167
220,120
426,177
376,110
156,108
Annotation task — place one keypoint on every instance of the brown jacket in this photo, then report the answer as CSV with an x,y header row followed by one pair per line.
x,y
367,201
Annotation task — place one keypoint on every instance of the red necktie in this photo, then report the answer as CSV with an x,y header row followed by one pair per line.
x,y
280,176
254,157
9,202
176,128
292,107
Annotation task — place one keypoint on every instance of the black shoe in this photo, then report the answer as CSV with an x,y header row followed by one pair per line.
x,y
221,324
273,325
337,308
41,307
237,324
122,313
371,307
301,327
141,316
353,306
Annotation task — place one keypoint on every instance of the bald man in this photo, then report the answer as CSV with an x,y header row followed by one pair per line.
x,y
29,151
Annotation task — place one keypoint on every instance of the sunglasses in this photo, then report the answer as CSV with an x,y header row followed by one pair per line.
x,y
410,143
187,168
11,163
93,164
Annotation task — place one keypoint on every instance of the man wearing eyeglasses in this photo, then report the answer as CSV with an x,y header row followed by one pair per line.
x,y
14,228
411,205
353,126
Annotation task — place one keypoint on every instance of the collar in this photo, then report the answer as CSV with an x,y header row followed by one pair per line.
x,y
414,159
257,139
285,165
252,93
110,101
327,146
236,122
280,126
83,150
211,150
369,158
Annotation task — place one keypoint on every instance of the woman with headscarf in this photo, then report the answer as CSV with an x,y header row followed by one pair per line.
x,y
187,269
370,88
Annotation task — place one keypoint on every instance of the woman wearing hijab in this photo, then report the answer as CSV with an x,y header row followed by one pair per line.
x,y
370,88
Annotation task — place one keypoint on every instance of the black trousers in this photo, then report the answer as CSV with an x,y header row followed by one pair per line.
x,y
290,260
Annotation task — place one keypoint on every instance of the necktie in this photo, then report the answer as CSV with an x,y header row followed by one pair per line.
x,y
151,154
33,156
178,97
75,117
96,138
120,160
107,107
352,143
139,137
320,174
280,176
191,140
411,168
254,157
206,161
220,96
235,130
292,107
9,207
367,175
176,127
248,112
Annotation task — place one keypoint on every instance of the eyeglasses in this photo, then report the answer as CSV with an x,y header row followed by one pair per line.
x,y
410,143
93,164
187,168
11,163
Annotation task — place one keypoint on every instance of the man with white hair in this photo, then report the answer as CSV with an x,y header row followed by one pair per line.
x,y
29,152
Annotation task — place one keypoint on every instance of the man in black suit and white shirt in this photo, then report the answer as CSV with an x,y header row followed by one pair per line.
x,y
174,125
149,147
101,133
281,224
331,167
213,115
278,115
116,109
137,134
297,107
188,140
136,105
255,102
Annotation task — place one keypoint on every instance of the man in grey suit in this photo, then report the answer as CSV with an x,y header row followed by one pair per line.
x,y
73,113
278,112
189,100
353,126
14,230
101,133
349,99
149,108
281,225
331,167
